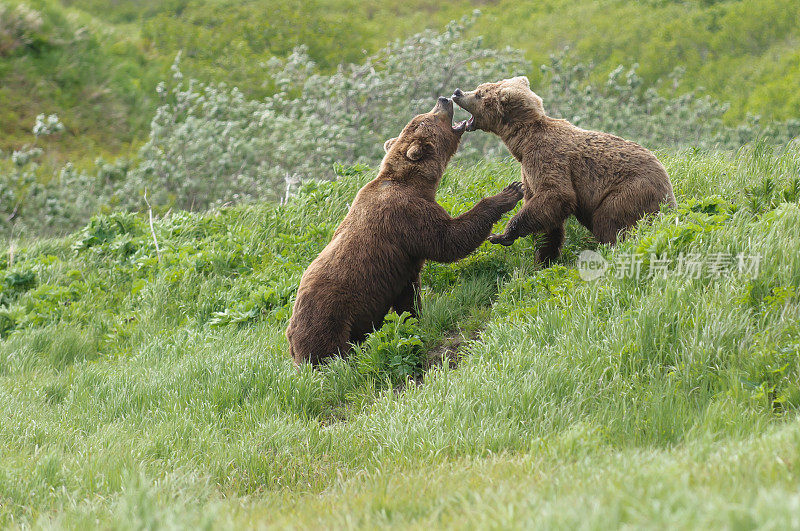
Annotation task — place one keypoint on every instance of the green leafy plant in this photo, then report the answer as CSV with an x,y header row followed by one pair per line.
x,y
767,194
393,353
268,300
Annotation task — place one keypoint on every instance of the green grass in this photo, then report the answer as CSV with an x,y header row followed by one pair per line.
x,y
144,389
99,78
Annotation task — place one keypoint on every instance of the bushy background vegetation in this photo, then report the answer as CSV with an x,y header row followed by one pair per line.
x,y
59,55
211,144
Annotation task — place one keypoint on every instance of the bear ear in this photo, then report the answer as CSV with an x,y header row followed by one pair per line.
x,y
522,80
514,99
415,151
507,94
388,144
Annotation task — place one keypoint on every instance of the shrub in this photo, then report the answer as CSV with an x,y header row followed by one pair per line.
x,y
33,202
19,27
210,145
660,116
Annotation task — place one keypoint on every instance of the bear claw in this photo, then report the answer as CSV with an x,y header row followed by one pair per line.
x,y
513,191
516,186
499,239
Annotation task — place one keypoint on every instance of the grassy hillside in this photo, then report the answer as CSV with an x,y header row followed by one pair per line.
x,y
746,52
97,63
98,78
146,386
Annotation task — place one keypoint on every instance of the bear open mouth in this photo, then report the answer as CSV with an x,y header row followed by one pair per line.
x,y
465,125
470,123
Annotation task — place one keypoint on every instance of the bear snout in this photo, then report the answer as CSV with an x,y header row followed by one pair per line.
x,y
443,105
465,100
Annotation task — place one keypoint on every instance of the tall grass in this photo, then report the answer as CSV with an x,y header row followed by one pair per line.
x,y
144,390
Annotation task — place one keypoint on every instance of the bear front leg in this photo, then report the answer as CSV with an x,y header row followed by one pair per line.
x,y
317,345
513,229
446,239
542,213
409,299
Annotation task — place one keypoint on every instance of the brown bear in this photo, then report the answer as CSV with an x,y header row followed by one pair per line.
x,y
373,262
606,182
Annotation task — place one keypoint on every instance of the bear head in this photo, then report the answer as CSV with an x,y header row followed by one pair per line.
x,y
494,106
426,144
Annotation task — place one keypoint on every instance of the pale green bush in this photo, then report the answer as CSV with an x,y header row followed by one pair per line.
x,y
18,27
210,145
33,202
662,116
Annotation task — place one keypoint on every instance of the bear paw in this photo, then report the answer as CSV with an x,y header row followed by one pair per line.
x,y
546,257
514,190
500,239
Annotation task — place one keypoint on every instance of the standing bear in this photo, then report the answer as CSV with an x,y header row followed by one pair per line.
x,y
374,260
608,183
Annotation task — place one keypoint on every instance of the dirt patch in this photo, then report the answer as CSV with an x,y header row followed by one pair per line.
x,y
448,351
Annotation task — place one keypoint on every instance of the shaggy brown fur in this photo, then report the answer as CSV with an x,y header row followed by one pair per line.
x,y
373,262
608,183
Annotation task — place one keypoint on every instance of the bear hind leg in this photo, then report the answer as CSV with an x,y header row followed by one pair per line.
x,y
409,299
612,219
605,229
317,347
